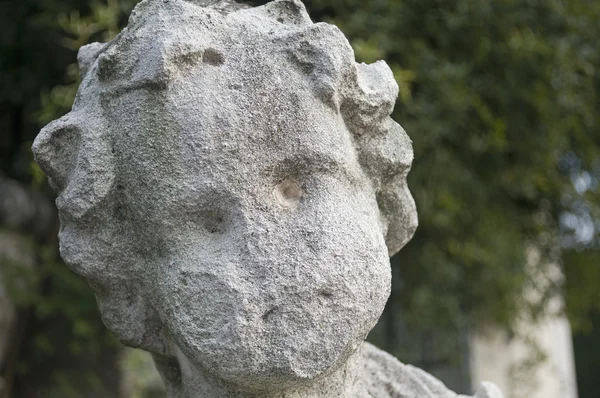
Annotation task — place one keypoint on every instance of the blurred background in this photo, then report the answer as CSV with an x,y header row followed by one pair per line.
x,y
502,279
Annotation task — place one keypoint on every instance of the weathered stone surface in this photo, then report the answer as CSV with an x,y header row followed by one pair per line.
x,y
231,185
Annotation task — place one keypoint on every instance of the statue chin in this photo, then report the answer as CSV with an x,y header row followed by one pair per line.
x,y
282,348
275,369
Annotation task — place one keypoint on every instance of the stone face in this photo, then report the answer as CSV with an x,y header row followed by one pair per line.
x,y
231,185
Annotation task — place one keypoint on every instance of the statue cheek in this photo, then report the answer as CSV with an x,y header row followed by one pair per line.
x,y
200,308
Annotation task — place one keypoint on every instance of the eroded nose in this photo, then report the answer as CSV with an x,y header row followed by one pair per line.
x,y
55,149
77,156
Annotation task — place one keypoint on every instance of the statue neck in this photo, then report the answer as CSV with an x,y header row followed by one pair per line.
x,y
185,380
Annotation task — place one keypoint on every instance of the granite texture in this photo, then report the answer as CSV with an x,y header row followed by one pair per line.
x,y
231,185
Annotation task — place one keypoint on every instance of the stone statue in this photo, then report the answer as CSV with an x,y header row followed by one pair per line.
x,y
231,185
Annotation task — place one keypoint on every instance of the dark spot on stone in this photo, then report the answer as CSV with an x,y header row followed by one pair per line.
x,y
307,67
288,193
169,368
214,222
189,58
213,57
107,66
120,212
325,293
280,20
268,313
183,280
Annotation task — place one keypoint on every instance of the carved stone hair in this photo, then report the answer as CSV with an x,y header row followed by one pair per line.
x,y
143,56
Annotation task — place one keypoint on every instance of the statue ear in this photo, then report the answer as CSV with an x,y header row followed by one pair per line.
x,y
87,55
386,156
326,70
373,98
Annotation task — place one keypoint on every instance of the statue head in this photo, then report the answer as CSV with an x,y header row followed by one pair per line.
x,y
231,185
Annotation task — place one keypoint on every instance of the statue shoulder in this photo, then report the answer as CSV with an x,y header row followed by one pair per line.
x,y
387,377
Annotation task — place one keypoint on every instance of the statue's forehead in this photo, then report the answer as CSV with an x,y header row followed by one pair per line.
x,y
196,104
191,134
168,43
180,99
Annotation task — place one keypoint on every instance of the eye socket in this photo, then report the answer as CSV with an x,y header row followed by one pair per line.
x,y
288,193
214,221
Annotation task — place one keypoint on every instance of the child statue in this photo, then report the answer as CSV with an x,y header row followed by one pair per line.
x,y
231,185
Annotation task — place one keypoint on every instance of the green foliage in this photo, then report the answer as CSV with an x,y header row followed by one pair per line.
x,y
583,274
63,316
101,24
524,381
141,377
